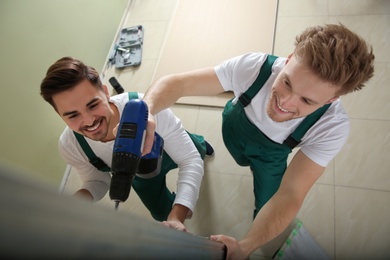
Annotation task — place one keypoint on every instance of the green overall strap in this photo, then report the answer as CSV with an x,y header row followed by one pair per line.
x,y
265,72
295,138
93,159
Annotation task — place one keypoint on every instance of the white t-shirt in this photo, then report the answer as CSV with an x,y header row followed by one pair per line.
x,y
177,144
320,143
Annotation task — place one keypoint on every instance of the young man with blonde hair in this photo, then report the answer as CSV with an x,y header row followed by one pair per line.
x,y
279,104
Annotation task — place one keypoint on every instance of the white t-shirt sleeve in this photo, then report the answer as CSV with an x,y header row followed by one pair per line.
x,y
325,139
179,146
238,73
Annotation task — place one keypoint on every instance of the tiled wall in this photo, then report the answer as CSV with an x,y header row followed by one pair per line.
x,y
348,210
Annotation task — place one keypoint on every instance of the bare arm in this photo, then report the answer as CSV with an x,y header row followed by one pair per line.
x,y
164,92
176,218
279,211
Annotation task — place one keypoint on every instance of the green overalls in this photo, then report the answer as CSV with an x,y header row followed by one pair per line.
x,y
153,192
250,147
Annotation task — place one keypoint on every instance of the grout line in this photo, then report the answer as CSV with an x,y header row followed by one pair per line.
x,y
361,188
275,27
369,119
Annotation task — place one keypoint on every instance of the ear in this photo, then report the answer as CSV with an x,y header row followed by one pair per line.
x,y
289,57
331,100
105,89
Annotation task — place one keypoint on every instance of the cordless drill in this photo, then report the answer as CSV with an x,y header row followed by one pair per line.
x,y
126,158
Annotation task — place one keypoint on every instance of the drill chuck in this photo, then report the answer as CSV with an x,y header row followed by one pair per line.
x,y
124,165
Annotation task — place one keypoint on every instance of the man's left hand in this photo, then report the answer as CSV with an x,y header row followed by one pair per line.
x,y
175,225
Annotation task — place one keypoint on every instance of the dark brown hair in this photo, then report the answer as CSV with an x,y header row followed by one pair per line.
x,y
64,74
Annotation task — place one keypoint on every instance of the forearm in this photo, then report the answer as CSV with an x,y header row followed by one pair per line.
x,y
178,213
271,220
164,92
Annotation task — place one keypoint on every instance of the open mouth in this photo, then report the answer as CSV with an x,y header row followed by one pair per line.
x,y
94,126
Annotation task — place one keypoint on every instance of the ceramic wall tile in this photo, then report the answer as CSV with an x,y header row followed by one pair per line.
x,y
188,116
358,7
317,215
154,36
362,223
151,10
225,205
302,8
373,28
364,160
287,28
373,101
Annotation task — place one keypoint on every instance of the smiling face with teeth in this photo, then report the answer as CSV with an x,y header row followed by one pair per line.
x,y
298,92
86,110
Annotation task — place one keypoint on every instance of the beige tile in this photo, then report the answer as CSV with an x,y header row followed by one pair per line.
x,y
317,215
188,116
353,7
154,36
373,101
225,205
287,28
151,10
373,28
302,8
362,223
364,160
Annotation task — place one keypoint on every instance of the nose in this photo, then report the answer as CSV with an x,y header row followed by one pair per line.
x,y
288,100
88,119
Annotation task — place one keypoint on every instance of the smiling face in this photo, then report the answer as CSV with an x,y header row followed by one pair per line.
x,y
87,111
297,92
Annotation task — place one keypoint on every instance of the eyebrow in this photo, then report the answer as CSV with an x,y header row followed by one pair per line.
x,y
75,111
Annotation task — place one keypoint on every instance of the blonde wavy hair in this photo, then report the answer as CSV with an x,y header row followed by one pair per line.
x,y
336,55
